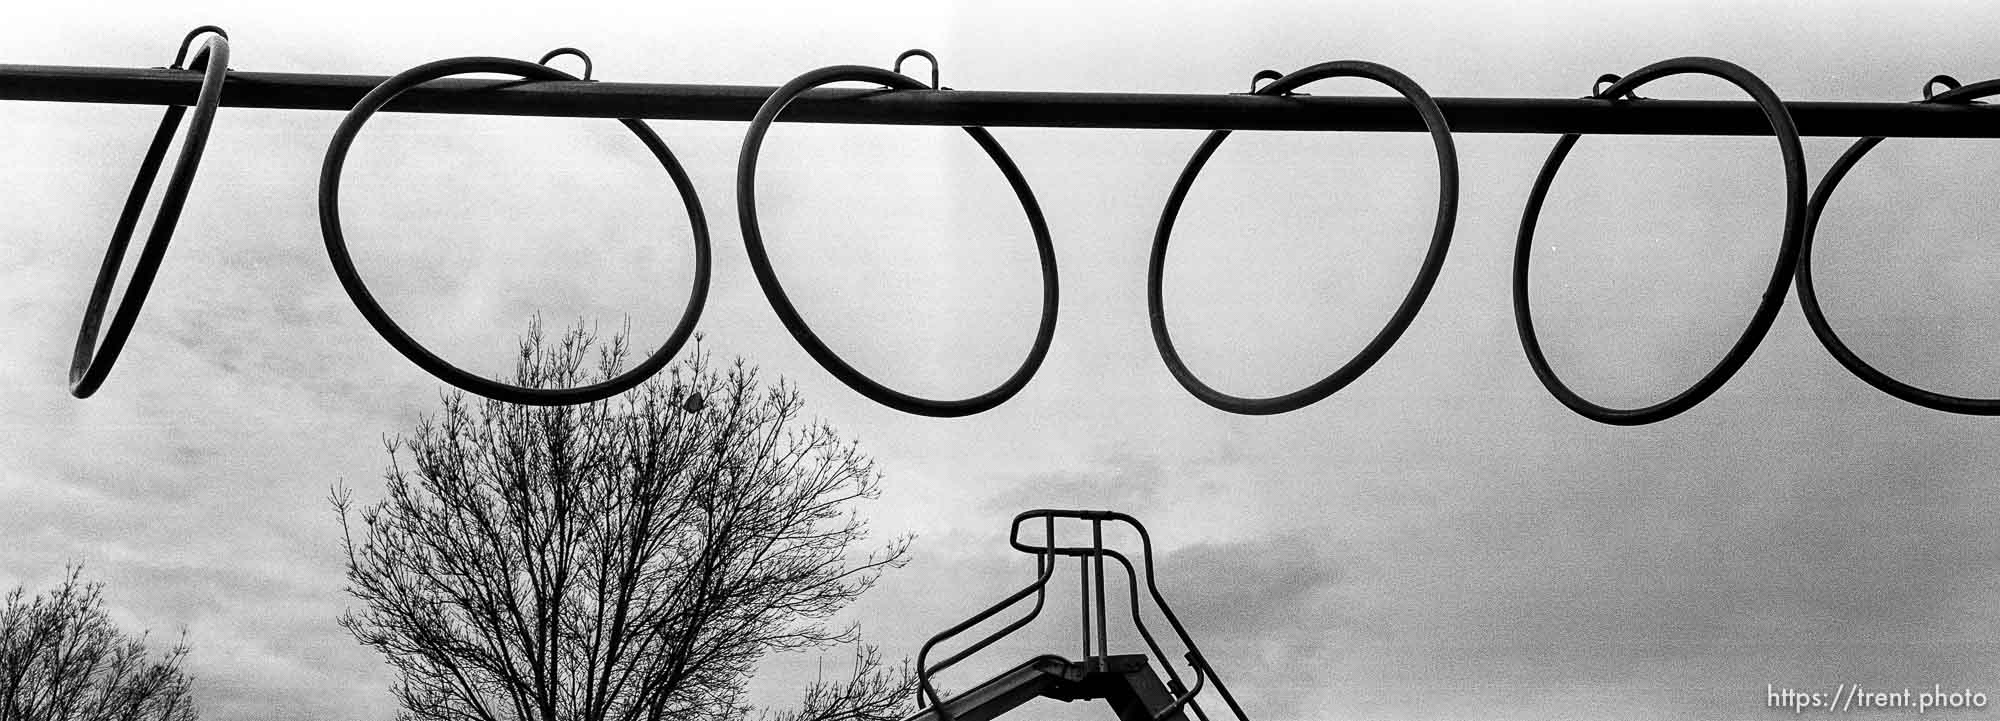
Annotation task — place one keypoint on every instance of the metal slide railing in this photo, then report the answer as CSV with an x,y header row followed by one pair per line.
x,y
1094,612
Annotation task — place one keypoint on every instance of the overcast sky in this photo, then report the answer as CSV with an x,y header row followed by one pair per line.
x,y
1440,540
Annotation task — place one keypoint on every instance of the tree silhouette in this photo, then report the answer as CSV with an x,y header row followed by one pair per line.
x,y
633,558
61,659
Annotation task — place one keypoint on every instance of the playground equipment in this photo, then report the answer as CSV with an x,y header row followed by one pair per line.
x,y
1127,682
1612,107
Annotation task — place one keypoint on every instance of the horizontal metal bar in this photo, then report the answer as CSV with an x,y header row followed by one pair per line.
x,y
157,86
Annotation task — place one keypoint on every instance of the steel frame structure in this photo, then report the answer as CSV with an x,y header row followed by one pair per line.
x,y
900,99
1006,108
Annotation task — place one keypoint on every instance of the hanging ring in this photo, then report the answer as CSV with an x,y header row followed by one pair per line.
x,y
1774,293
1809,298
91,362
350,278
920,53
559,52
774,291
1427,274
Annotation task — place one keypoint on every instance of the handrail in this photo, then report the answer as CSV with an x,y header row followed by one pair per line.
x,y
929,692
1049,550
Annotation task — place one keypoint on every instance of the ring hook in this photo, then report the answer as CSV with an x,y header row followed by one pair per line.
x,y
919,53
559,52
1597,88
1949,83
181,55
1261,76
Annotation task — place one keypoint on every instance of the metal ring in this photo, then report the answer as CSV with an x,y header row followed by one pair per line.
x,y
350,279
1774,292
92,360
1447,213
774,291
1809,299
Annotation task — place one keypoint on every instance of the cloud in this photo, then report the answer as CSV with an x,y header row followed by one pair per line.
x,y
1116,480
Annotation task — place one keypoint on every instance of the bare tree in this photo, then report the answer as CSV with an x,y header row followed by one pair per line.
x,y
628,559
62,659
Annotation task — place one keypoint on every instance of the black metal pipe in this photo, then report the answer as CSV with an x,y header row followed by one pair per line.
x,y
158,86
1097,548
